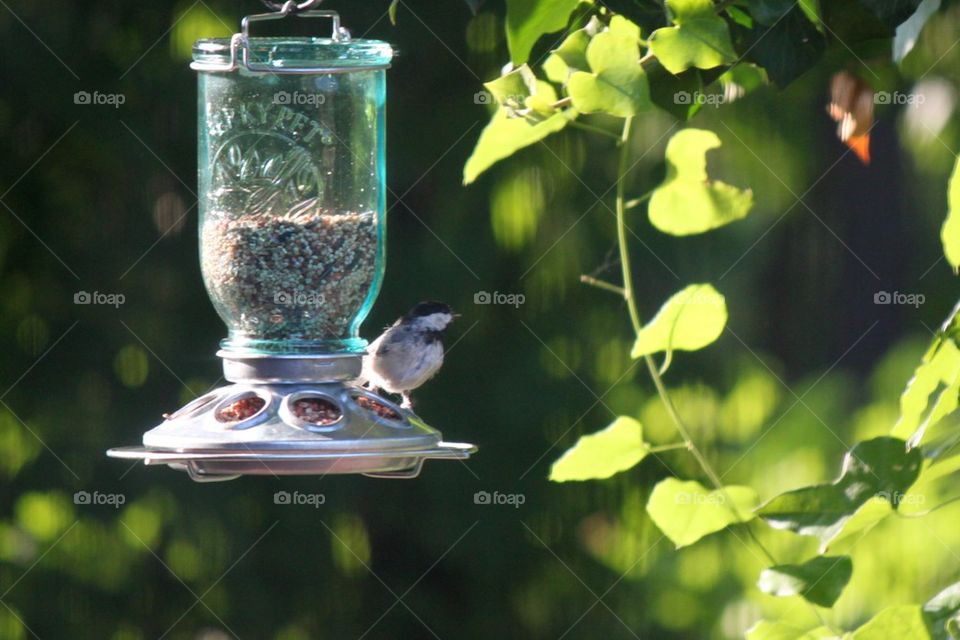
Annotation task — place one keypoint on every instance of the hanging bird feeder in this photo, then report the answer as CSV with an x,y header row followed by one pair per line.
x,y
292,234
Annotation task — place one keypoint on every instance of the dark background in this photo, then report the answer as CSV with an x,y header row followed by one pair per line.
x,y
96,198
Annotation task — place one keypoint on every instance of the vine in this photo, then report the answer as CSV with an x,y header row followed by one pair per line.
x,y
624,65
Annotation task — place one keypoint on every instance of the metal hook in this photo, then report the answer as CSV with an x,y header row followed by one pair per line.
x,y
291,6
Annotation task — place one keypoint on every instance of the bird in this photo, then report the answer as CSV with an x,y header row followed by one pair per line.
x,y
409,352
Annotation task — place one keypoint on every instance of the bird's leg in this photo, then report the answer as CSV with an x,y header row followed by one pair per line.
x,y
407,401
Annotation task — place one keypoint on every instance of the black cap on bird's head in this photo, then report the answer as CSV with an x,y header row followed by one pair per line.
x,y
429,308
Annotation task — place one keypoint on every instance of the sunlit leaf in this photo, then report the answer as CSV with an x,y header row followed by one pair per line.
x,y
616,83
514,87
894,623
819,580
527,20
505,135
909,31
932,392
603,454
688,202
870,513
699,38
950,233
691,319
766,630
686,511
878,468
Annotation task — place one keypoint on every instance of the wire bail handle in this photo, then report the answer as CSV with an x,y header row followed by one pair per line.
x,y
240,42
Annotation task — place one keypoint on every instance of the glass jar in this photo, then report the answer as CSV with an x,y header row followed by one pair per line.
x,y
291,176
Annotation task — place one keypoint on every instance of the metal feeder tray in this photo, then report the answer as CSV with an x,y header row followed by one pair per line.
x,y
203,439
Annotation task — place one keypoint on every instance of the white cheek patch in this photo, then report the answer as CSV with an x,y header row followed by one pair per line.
x,y
436,321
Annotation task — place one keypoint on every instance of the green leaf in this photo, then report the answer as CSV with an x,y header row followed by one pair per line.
x,y
787,49
571,55
513,88
867,516
950,233
894,623
505,135
690,320
765,630
687,201
819,580
932,392
392,11
616,83
603,454
878,468
700,38
687,511
909,31
527,20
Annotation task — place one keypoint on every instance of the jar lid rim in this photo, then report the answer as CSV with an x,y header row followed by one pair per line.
x,y
310,51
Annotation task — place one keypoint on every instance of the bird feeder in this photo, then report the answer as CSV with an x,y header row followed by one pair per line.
x,y
292,234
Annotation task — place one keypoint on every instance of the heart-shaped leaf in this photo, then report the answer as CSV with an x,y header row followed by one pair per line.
x,y
699,38
600,455
687,201
616,83
691,319
686,511
819,580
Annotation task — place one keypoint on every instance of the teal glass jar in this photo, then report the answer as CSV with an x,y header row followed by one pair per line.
x,y
292,187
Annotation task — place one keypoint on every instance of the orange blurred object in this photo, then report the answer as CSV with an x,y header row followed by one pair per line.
x,y
851,107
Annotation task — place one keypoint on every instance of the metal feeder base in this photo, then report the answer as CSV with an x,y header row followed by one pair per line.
x,y
274,436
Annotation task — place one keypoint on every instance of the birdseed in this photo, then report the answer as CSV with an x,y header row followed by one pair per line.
x,y
241,409
378,408
316,411
301,276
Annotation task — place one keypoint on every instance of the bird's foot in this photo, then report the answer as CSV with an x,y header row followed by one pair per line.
x,y
407,402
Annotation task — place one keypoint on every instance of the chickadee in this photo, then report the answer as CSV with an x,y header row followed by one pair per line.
x,y
409,352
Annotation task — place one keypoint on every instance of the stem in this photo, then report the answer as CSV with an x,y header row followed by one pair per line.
x,y
630,298
668,447
638,201
601,284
